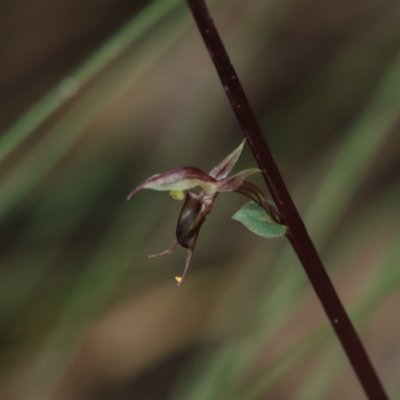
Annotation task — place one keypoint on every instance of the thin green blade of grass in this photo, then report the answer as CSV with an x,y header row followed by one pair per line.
x,y
338,90
52,101
14,291
70,128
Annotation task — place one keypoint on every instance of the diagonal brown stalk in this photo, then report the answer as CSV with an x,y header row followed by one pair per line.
x,y
297,233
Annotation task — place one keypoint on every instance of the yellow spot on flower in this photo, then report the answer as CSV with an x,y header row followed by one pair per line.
x,y
177,194
178,279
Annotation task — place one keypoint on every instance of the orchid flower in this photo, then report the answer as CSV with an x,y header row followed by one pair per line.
x,y
197,206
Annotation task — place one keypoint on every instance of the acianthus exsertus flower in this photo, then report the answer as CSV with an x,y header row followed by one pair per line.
x,y
197,206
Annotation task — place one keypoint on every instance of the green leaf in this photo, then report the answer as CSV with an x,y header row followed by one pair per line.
x,y
256,220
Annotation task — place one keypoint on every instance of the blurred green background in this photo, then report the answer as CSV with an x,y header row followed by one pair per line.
x,y
97,96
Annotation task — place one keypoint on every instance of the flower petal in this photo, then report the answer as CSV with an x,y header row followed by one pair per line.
x,y
180,279
252,192
233,182
190,220
222,170
178,179
170,250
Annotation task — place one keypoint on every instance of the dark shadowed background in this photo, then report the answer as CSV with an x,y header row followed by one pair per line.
x,y
97,96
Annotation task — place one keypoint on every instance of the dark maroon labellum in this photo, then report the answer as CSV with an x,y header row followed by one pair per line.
x,y
192,216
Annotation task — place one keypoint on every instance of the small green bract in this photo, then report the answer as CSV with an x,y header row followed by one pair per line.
x,y
255,219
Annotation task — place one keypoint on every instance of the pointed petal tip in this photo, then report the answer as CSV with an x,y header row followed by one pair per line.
x,y
233,182
222,169
134,191
240,147
130,195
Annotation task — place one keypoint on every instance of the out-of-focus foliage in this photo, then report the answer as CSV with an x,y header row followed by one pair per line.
x,y
84,314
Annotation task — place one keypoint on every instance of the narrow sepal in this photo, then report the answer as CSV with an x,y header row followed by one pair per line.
x,y
252,192
177,179
168,251
233,182
222,170
180,279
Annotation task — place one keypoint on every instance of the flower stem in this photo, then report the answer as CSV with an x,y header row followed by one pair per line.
x,y
297,233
